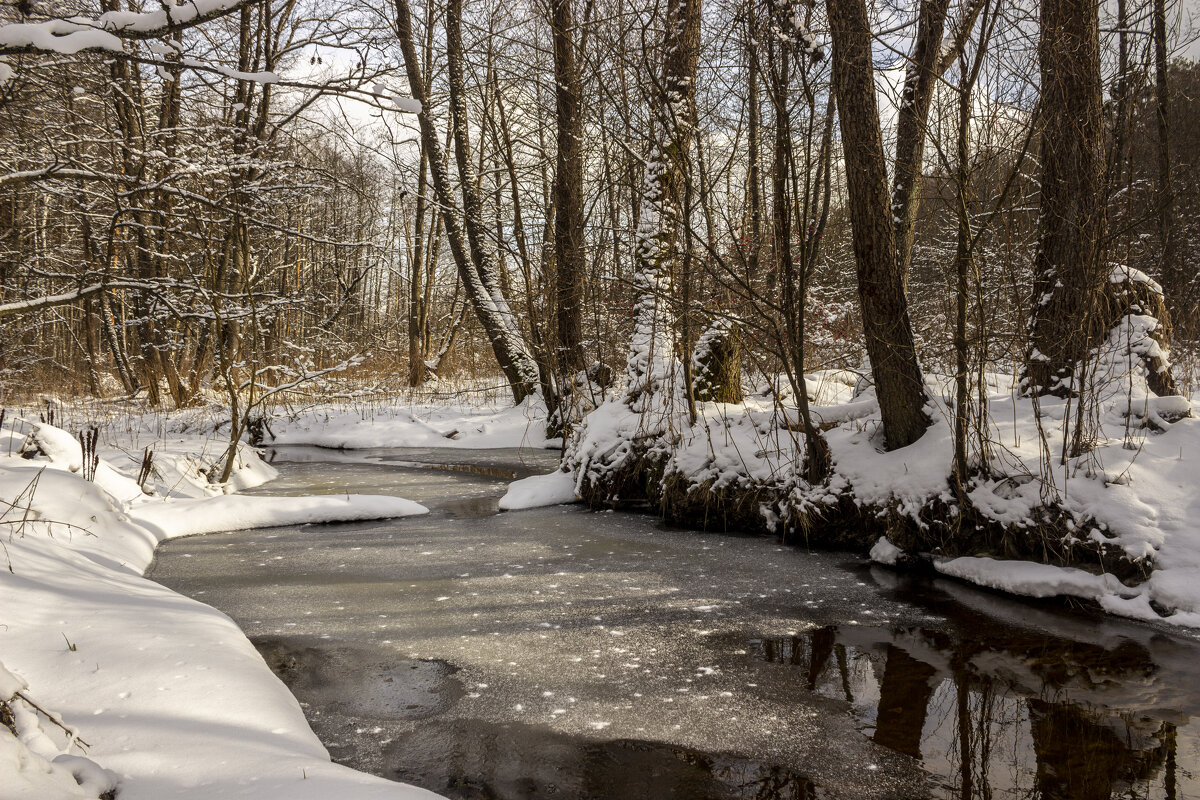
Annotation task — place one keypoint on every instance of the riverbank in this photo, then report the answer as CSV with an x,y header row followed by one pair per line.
x,y
1114,524
112,683
77,548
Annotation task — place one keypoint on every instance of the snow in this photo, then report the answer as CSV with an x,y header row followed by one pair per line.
x,y
58,36
540,490
10,684
884,552
170,697
407,105
31,776
175,702
1032,579
1120,273
83,33
239,512
426,424
1134,490
110,30
1138,483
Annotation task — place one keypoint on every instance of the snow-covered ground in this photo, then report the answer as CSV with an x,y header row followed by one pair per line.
x,y
116,681
459,424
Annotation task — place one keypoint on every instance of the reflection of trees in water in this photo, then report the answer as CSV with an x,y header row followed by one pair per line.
x,y
904,696
475,760
1083,756
764,782
1024,717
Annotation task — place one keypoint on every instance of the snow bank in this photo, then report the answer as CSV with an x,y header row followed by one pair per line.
x,y
238,512
420,425
540,490
169,694
884,552
1032,579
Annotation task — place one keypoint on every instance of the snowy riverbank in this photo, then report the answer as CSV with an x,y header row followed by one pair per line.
x,y
1031,522
1132,494
169,696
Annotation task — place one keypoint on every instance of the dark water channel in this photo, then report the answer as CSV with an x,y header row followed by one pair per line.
x,y
558,653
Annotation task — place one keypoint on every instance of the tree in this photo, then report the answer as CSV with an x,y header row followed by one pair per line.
x,y
473,255
793,277
1069,269
887,328
651,362
931,57
569,250
1175,277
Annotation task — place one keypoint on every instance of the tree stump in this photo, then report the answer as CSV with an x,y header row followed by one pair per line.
x,y
1130,292
717,363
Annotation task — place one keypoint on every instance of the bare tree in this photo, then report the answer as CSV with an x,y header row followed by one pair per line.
x,y
473,256
1070,269
887,328
569,253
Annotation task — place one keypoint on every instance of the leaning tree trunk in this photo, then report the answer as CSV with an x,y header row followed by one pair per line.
x,y
932,56
1069,269
886,325
476,266
920,79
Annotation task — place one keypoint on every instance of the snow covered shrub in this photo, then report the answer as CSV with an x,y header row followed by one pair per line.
x,y
37,760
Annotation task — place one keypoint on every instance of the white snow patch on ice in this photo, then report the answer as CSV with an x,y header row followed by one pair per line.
x,y
884,552
540,490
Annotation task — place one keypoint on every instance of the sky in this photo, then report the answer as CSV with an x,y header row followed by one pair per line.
x,y
1191,14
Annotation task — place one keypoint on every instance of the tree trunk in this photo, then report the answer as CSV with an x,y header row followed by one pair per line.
x,y
1175,280
1069,268
930,60
717,364
920,79
476,267
794,281
651,357
753,235
512,352
416,266
569,264
886,326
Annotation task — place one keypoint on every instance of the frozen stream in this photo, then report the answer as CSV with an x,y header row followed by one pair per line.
x,y
559,653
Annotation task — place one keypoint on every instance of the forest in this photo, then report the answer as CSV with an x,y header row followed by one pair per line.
x,y
248,200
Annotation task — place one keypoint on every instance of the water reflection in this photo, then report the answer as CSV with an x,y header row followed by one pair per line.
x,y
473,760
1018,715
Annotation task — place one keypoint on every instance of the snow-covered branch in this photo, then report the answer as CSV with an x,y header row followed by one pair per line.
x,y
109,31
